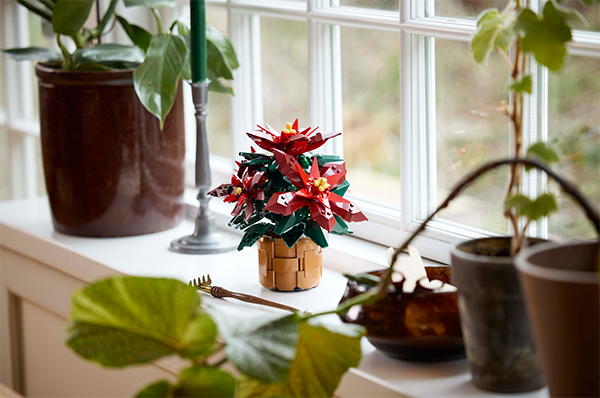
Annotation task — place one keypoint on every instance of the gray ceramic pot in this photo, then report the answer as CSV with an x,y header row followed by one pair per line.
x,y
498,340
560,284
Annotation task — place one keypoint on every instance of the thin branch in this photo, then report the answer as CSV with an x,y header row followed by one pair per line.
x,y
158,19
505,58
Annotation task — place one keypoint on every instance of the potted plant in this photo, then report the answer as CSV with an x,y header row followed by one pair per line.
x,y
283,355
111,117
498,340
285,200
560,283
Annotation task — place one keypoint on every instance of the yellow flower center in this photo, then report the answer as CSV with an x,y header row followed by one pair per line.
x,y
288,129
321,184
238,190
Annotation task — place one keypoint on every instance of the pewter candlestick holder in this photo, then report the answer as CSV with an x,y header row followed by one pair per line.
x,y
206,238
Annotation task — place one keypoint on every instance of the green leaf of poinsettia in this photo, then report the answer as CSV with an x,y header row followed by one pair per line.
x,y
291,237
253,234
262,348
69,16
32,54
109,53
324,353
156,80
126,320
316,234
160,389
205,381
138,35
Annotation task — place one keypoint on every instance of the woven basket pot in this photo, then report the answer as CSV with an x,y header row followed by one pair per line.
x,y
289,269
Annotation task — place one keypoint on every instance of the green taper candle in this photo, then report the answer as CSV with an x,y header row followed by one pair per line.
x,y
198,32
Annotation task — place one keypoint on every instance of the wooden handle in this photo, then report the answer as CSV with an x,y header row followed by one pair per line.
x,y
219,292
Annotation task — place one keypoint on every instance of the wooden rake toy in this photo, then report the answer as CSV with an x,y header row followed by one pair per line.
x,y
204,285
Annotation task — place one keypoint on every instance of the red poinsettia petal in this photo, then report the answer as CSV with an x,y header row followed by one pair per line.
x,y
272,130
336,179
332,168
348,211
337,198
259,194
319,139
287,166
295,125
237,209
302,174
304,193
322,215
220,191
263,140
248,210
314,169
306,130
285,203
231,198
235,181
256,179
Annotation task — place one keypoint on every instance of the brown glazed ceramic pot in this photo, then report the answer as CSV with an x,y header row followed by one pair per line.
x,y
420,326
498,339
560,284
109,169
283,269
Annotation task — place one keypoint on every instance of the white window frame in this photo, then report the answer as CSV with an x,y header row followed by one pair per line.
x,y
417,33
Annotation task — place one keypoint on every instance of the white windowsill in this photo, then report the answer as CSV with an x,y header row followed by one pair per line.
x,y
26,228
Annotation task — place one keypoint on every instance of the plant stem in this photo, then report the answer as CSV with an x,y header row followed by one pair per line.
x,y
221,362
97,31
158,19
80,39
67,57
36,10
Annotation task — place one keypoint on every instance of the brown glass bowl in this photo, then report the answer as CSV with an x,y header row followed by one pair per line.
x,y
420,326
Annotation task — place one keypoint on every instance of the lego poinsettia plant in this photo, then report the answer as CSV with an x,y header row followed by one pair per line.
x,y
287,193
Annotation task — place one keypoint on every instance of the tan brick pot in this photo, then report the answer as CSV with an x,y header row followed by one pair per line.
x,y
285,269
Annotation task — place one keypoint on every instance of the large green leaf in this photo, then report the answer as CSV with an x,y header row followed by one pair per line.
x,y
109,53
323,355
205,381
69,16
523,86
138,35
546,37
150,3
199,336
124,320
223,45
157,78
32,54
261,348
316,234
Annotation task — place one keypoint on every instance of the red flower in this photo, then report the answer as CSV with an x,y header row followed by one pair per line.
x,y
290,140
314,191
242,191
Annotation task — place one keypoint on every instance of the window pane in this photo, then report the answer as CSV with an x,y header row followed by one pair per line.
x,y
219,104
574,125
468,9
471,130
378,4
4,165
2,105
591,14
370,84
284,71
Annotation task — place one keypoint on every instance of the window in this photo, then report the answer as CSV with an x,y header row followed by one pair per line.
x,y
398,79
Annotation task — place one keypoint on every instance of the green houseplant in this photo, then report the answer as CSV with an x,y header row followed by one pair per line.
x,y
498,340
123,321
111,117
